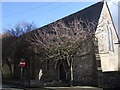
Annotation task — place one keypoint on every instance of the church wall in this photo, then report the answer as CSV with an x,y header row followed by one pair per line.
x,y
49,71
85,70
109,58
111,79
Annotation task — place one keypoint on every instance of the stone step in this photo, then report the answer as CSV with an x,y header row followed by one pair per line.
x,y
99,68
98,58
97,55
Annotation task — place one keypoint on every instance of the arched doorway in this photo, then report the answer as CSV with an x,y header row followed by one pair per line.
x,y
62,73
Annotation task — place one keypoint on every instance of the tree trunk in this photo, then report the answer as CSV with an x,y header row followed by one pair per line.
x,y
71,76
71,73
9,65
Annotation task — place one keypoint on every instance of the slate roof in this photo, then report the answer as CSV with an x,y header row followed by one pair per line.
x,y
89,14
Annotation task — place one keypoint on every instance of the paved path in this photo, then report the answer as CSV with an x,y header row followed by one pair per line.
x,y
76,88
11,87
67,88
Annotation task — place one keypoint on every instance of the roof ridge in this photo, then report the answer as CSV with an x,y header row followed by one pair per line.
x,y
5,34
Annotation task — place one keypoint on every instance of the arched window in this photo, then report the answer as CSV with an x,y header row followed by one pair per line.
x,y
110,38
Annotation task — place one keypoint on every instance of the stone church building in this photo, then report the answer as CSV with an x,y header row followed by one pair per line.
x,y
89,69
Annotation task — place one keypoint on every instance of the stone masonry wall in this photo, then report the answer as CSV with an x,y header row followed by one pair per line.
x,y
111,79
85,71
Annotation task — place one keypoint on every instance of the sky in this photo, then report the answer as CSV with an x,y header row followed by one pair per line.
x,y
115,8
42,13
